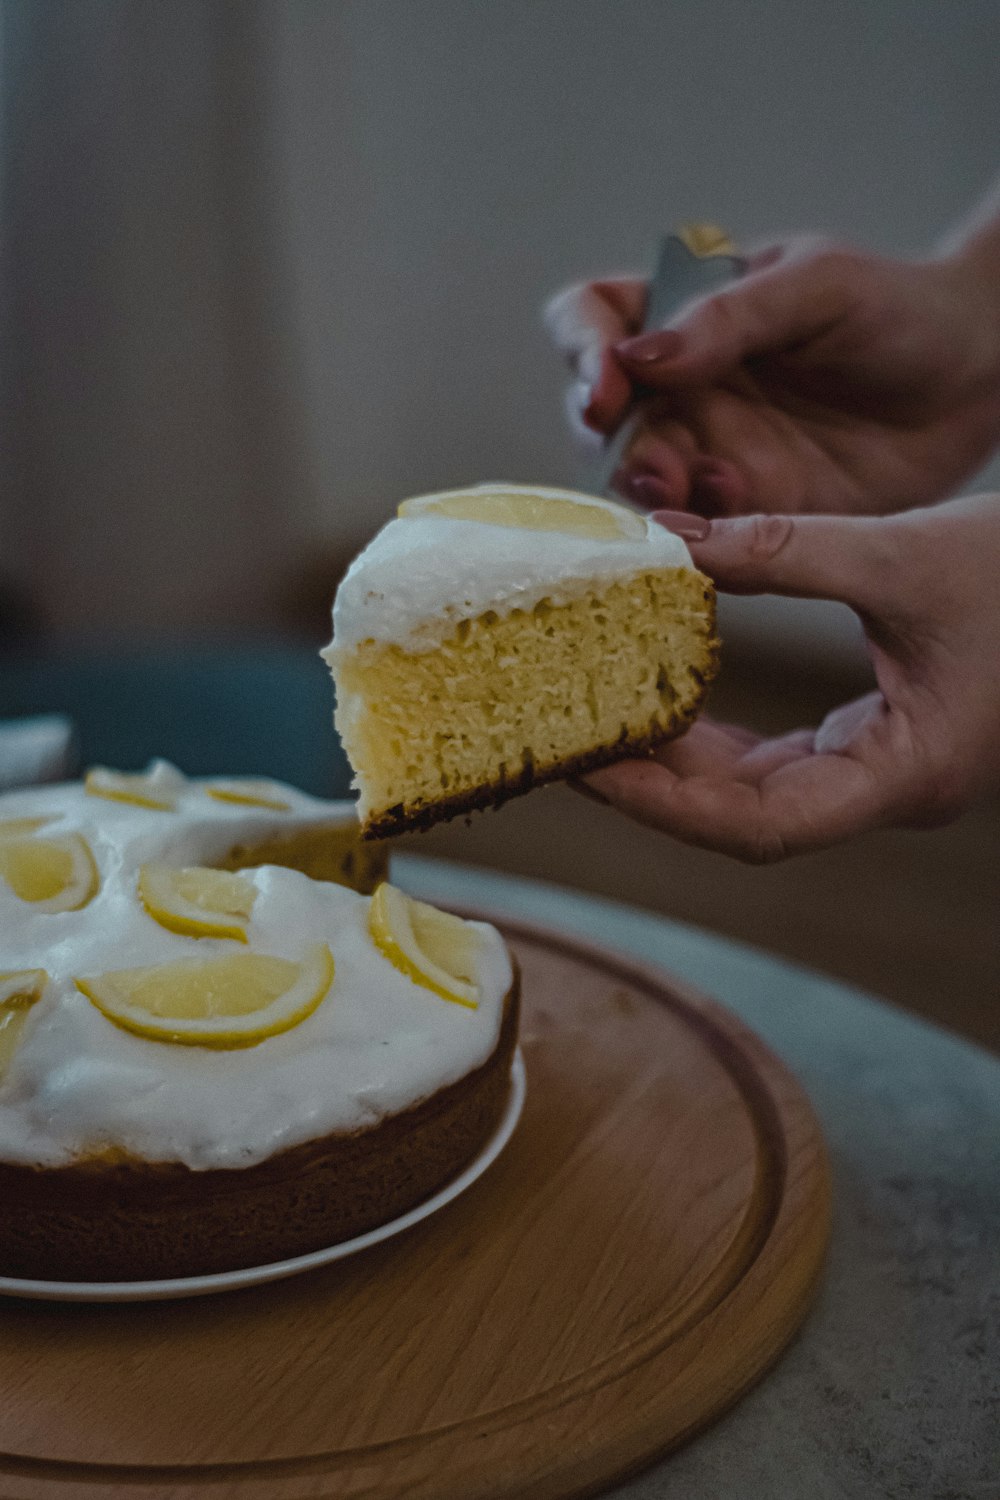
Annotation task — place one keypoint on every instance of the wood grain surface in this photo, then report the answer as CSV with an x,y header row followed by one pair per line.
x,y
642,1251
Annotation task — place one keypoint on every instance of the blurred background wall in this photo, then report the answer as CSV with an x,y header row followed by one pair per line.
x,y
270,265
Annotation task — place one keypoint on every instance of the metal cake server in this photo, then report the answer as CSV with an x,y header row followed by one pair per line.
x,y
696,260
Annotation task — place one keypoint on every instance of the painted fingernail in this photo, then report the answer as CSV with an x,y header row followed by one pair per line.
x,y
649,490
682,523
651,348
588,791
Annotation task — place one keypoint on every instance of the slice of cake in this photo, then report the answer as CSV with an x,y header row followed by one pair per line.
x,y
208,1062
491,639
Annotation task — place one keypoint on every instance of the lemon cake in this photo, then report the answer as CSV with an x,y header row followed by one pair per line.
x,y
491,639
208,1062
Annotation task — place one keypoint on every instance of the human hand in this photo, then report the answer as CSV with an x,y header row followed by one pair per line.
x,y
825,380
912,754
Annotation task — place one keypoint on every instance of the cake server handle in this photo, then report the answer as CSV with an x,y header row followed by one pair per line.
x,y
696,260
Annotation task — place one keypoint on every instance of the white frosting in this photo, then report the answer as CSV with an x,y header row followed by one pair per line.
x,y
77,1083
422,571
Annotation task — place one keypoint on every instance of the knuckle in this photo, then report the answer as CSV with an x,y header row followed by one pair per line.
x,y
762,536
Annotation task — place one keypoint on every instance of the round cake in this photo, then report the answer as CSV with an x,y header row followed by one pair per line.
x,y
203,1070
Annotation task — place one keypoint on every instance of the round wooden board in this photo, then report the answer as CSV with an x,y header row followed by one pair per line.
x,y
639,1255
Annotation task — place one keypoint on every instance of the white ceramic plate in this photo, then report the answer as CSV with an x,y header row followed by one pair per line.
x,y
229,1281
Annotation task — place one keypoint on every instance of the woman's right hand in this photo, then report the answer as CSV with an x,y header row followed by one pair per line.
x,y
825,380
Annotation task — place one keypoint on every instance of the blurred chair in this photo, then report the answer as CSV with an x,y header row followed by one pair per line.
x,y
264,711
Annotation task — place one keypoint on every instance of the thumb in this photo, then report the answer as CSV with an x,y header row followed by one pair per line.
x,y
779,308
847,558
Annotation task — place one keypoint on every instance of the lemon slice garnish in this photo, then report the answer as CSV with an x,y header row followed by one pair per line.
x,y
55,874
15,828
197,902
19,989
533,510
126,786
234,1001
247,794
431,947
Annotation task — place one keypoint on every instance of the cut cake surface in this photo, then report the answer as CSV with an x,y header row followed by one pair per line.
x,y
588,650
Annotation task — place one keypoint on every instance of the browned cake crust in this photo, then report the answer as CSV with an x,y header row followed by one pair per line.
x,y
129,1220
423,815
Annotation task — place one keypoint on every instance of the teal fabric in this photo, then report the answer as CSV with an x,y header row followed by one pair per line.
x,y
264,711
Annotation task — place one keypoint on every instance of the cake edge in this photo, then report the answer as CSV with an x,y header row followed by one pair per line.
x,y
54,1217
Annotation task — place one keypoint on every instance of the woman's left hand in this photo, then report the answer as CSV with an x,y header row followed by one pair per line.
x,y
912,754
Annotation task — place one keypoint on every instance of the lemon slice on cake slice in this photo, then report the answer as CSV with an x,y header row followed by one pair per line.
x,y
533,510
234,1001
55,874
19,989
197,902
433,948
141,788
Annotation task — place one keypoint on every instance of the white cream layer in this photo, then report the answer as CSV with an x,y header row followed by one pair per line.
x,y
424,571
78,1084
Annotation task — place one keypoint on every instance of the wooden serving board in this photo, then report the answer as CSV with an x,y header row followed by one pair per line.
x,y
638,1256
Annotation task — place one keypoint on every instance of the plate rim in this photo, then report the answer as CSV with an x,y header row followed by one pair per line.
x,y
175,1288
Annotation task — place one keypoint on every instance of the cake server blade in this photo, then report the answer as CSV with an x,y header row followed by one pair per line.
x,y
696,260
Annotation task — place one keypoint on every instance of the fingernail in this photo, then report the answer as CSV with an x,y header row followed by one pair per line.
x,y
651,348
588,791
682,523
649,491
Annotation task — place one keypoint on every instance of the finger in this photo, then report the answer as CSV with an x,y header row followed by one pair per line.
x,y
656,469
778,308
809,802
764,257
586,319
856,560
612,389
708,749
664,470
767,756
718,487
627,296
579,416
609,396
713,749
